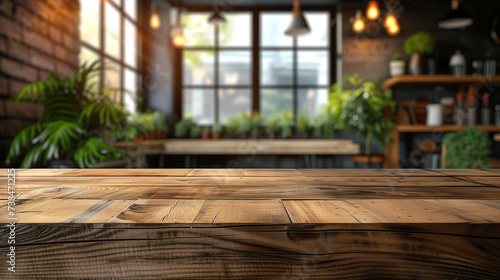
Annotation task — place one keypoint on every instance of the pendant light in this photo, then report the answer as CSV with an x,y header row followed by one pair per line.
x,y
358,25
177,33
216,18
298,26
372,11
455,18
391,24
154,18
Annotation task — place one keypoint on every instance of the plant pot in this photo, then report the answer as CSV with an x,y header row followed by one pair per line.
x,y
397,67
368,160
206,134
216,135
416,67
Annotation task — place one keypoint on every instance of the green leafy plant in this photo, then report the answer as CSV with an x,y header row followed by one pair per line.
x,y
232,125
420,42
361,109
195,130
159,121
286,123
303,123
216,128
75,118
272,124
397,57
324,124
182,127
467,149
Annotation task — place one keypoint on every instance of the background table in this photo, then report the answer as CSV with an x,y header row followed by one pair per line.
x,y
255,223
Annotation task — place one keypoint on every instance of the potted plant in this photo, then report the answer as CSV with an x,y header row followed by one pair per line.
x,y
303,125
363,109
160,125
286,124
255,123
206,133
397,65
272,125
469,148
182,127
195,131
244,125
216,131
417,45
74,121
232,125
324,125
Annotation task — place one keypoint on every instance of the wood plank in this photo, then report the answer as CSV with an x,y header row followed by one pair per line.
x,y
217,173
242,212
396,211
80,211
464,172
409,172
442,128
255,172
43,172
160,211
317,212
491,181
271,252
390,181
344,172
128,172
260,147
471,210
228,191
438,80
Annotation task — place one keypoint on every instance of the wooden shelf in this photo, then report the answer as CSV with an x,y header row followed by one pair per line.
x,y
423,80
442,128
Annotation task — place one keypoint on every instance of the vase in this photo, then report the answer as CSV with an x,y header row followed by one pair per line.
x,y
397,68
415,66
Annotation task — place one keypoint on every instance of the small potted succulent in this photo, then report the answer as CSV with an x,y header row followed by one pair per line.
x,y
418,45
206,133
232,126
216,131
397,65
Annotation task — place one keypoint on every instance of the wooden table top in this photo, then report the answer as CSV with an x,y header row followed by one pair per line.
x,y
255,196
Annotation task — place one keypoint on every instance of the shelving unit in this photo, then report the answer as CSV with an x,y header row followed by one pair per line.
x,y
470,82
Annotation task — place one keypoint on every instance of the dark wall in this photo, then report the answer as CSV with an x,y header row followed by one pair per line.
x,y
369,54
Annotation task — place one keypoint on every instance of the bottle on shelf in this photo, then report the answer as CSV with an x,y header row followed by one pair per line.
x,y
497,115
459,110
485,110
471,110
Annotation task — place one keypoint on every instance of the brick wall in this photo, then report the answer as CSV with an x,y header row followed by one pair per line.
x,y
34,36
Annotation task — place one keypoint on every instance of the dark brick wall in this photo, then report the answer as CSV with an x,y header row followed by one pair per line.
x,y
35,35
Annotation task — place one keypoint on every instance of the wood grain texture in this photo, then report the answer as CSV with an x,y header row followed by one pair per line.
x,y
255,224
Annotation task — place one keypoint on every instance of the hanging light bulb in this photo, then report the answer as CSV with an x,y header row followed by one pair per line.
x,y
372,11
358,25
390,20
393,30
154,19
178,39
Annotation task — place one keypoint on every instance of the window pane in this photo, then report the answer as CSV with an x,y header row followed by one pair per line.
x,y
235,68
237,31
197,31
87,55
275,100
131,8
112,79
117,2
272,30
130,94
112,30
313,68
130,44
232,102
198,67
199,104
310,100
89,22
319,23
276,68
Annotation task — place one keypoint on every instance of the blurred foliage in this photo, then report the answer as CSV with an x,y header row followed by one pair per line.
x,y
421,42
467,149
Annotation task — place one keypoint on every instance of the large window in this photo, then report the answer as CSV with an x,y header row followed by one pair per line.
x,y
109,32
235,68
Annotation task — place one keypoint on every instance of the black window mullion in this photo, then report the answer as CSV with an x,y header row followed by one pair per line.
x,y
102,18
122,54
255,62
216,75
295,78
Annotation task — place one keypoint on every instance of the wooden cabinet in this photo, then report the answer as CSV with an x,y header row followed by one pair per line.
x,y
466,83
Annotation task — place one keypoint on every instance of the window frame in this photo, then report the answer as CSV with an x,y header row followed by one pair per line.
x,y
100,51
255,49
